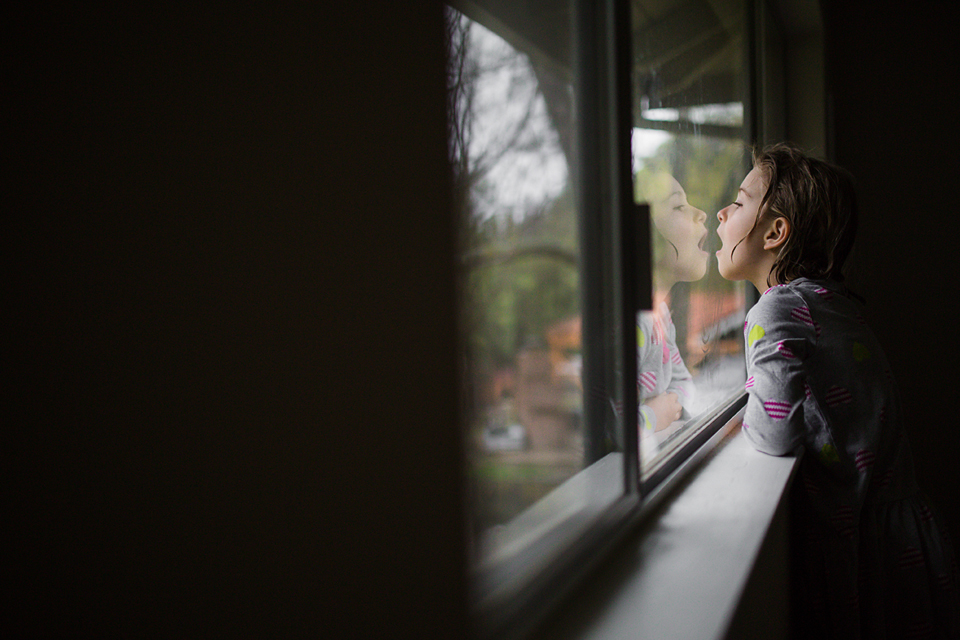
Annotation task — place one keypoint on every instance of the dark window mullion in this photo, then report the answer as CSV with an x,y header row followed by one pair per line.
x,y
633,265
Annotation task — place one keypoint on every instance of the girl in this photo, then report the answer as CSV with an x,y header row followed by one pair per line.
x,y
872,558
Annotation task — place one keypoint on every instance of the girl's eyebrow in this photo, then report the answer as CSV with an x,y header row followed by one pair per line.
x,y
745,192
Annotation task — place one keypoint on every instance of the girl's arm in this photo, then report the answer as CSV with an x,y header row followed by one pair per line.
x,y
781,337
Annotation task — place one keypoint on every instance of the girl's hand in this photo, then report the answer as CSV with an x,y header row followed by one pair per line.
x,y
666,407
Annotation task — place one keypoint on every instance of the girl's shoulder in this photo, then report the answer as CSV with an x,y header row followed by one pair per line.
x,y
811,293
778,298
814,304
802,301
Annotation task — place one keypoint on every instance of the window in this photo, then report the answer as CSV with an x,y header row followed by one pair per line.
x,y
599,345
689,84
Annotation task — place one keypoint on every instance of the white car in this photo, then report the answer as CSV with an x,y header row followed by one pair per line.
x,y
505,437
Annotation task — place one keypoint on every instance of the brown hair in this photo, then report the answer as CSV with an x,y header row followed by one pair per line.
x,y
818,201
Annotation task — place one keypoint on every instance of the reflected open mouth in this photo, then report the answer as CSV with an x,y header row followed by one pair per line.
x,y
703,241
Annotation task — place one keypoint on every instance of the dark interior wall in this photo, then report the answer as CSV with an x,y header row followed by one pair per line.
x,y
230,283
893,80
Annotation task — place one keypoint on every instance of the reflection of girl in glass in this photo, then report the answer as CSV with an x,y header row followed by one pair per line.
x,y
665,385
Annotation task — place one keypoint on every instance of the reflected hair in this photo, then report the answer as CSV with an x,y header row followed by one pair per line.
x,y
818,201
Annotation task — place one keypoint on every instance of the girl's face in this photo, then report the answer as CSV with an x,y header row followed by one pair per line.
x,y
737,230
682,226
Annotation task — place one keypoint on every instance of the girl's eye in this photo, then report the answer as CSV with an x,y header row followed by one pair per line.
x,y
737,204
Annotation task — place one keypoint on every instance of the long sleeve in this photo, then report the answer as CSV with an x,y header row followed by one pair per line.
x,y
781,336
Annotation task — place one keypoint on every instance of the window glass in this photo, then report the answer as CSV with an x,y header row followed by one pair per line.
x,y
511,145
545,449
689,83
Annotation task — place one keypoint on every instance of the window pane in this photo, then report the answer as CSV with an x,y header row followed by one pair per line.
x,y
689,82
512,140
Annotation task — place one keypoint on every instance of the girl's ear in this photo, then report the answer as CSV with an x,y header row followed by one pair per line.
x,y
776,234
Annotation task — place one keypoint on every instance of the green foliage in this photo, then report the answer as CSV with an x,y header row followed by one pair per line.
x,y
520,278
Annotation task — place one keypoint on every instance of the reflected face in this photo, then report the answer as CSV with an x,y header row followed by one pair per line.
x,y
742,245
682,226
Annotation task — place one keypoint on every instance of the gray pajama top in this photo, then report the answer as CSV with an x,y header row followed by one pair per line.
x,y
875,557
